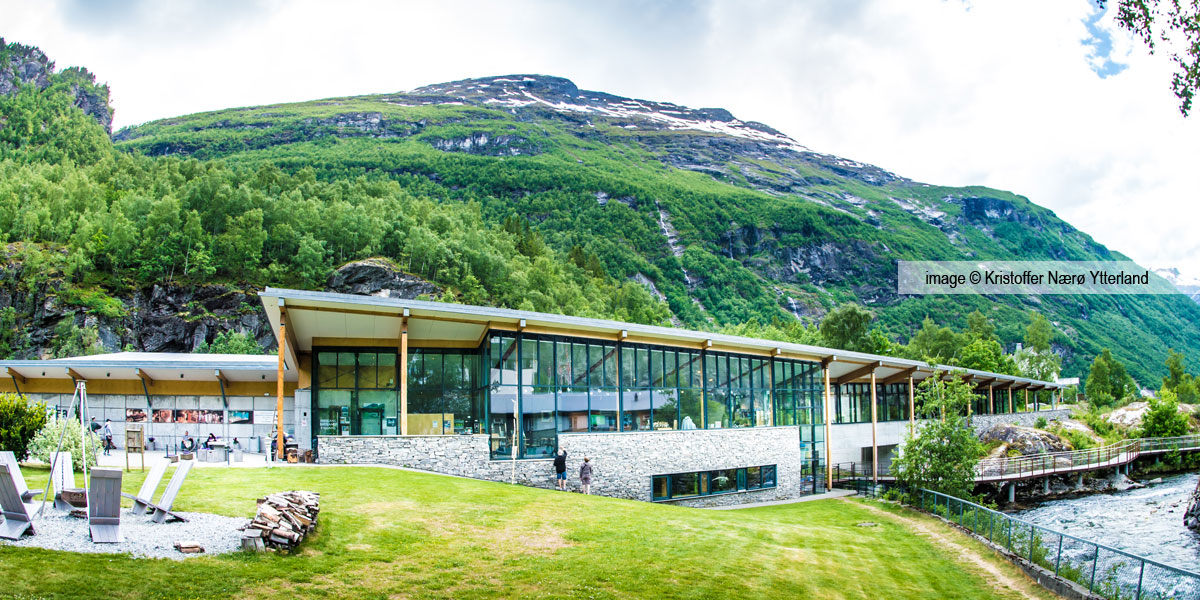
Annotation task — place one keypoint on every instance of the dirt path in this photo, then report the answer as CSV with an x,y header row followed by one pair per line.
x,y
964,553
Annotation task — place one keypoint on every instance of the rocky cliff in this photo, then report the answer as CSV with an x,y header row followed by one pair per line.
x,y
22,65
165,317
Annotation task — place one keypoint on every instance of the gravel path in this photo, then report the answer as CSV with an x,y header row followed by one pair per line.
x,y
143,537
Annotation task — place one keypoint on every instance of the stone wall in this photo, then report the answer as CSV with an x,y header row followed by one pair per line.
x,y
114,406
623,462
982,423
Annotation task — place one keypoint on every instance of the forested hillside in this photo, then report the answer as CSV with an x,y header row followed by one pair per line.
x,y
518,191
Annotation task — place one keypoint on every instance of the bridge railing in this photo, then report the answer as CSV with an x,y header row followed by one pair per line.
x,y
1052,462
1044,464
1105,571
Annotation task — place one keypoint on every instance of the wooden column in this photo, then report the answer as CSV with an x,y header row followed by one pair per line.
x,y
1026,406
403,366
912,407
279,388
828,441
991,401
1010,400
874,444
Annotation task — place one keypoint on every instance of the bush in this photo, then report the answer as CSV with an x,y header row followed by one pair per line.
x,y
46,442
1041,423
19,423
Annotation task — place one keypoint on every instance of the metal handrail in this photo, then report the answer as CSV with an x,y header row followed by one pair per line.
x,y
1045,547
1046,463
1070,460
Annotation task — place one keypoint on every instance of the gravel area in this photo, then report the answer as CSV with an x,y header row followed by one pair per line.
x,y
143,537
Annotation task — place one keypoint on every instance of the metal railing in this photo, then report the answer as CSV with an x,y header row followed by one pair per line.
x,y
1105,571
1034,465
1081,460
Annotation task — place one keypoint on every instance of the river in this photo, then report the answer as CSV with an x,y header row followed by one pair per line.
x,y
1145,521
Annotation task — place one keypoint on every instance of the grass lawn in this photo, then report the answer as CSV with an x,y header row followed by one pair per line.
x,y
394,534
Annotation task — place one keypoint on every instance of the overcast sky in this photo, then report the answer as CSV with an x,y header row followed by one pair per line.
x,y
1046,99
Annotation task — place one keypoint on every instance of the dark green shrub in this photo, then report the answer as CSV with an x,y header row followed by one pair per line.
x,y
19,422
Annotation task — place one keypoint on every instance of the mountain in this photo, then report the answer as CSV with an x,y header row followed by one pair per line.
x,y
1189,286
525,191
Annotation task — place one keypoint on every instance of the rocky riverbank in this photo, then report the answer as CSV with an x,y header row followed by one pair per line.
x,y
1191,519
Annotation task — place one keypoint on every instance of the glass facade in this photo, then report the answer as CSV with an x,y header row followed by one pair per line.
x,y
559,384
677,486
356,392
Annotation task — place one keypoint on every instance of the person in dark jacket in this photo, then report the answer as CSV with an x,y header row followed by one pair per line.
x,y
585,475
560,470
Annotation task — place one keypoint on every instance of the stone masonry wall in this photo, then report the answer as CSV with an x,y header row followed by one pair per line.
x,y
982,423
623,463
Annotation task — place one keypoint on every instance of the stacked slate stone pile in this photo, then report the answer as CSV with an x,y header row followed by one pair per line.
x,y
1191,519
282,521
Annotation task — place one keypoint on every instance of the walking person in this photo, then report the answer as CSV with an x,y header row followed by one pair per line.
x,y
585,475
108,445
560,470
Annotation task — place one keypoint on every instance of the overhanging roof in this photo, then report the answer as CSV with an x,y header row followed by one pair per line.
x,y
157,366
328,317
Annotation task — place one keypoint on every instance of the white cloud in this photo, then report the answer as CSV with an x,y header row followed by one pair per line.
x,y
1001,93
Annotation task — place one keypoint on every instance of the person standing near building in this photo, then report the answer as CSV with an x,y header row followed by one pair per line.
x,y
560,470
107,436
585,475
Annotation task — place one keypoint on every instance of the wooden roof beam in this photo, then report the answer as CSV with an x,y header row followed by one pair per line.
x,y
898,377
73,374
862,371
221,377
11,372
146,379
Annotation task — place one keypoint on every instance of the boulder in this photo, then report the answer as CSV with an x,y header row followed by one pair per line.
x,y
1025,440
1191,518
1130,416
378,277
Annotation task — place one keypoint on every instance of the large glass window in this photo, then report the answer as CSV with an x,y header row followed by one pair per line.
x,y
707,483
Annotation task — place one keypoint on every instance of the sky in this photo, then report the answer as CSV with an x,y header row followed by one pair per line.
x,y
1050,100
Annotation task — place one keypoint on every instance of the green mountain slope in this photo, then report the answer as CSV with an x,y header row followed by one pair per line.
x,y
727,220
524,191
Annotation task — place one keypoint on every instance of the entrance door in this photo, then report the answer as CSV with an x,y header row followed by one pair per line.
x,y
370,421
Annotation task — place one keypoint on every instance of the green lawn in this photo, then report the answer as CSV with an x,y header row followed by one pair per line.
x,y
394,534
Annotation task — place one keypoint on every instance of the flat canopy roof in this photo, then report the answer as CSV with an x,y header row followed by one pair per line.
x,y
330,319
154,366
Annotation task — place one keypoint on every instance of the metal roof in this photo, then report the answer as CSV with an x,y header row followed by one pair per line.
x,y
159,366
329,316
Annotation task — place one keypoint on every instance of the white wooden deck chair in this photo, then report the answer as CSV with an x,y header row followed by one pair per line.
x,y
7,458
143,500
162,510
62,473
17,521
104,506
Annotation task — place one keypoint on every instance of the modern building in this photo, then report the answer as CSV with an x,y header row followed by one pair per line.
x,y
665,414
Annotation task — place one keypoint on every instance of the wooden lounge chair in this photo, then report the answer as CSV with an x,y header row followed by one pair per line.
x,y
162,510
17,520
62,473
143,500
104,506
7,458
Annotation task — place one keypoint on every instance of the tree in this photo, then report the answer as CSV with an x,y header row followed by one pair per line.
x,y
1178,380
979,327
19,423
1107,380
984,355
934,343
845,327
1164,419
1038,359
230,342
1167,21
70,340
941,454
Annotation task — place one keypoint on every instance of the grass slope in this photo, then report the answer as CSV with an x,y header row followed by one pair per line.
x,y
388,533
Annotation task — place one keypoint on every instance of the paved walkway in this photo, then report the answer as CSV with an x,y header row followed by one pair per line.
x,y
830,495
